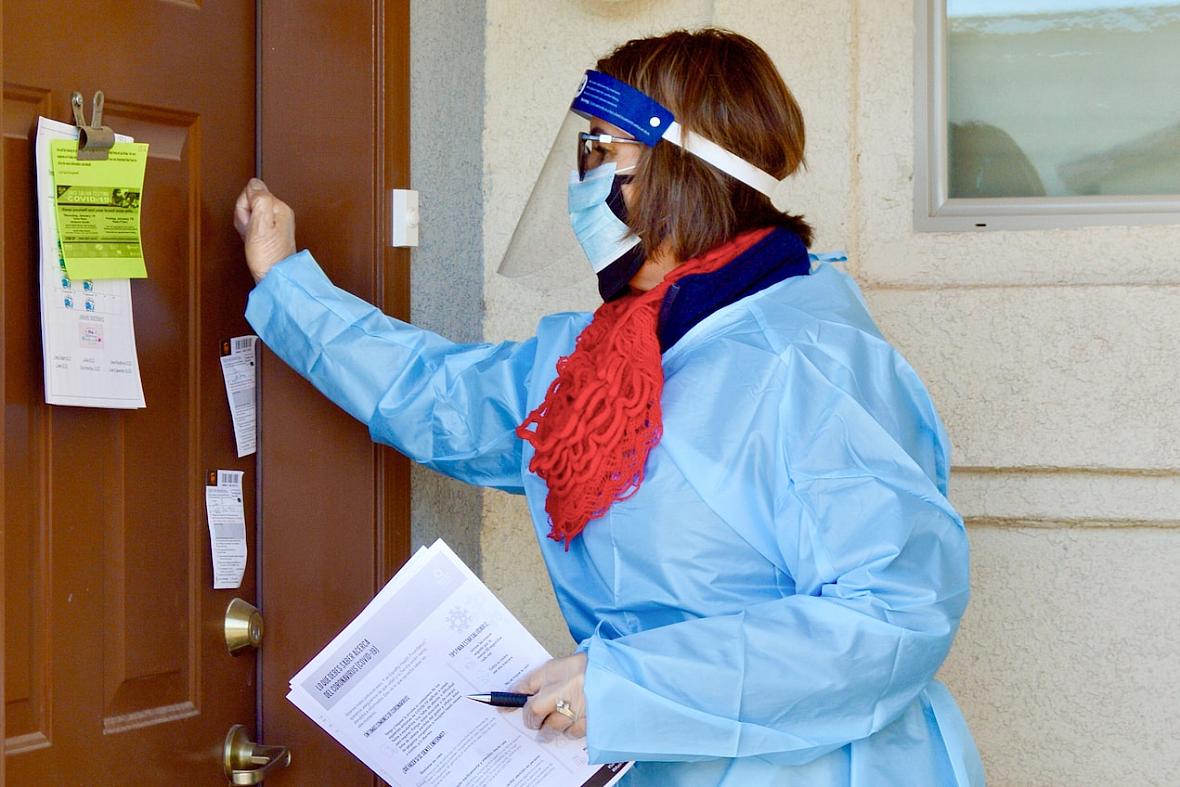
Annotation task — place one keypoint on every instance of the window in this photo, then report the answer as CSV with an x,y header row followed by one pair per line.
x,y
1047,113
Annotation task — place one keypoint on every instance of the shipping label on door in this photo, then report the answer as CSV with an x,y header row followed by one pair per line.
x,y
240,370
227,528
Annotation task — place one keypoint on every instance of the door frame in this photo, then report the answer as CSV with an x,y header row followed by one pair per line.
x,y
388,270
298,100
3,435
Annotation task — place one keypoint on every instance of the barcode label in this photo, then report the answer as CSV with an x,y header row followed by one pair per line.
x,y
228,478
243,343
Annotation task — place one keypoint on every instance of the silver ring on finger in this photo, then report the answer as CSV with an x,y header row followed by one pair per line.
x,y
567,710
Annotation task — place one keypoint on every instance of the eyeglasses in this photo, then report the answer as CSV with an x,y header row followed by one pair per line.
x,y
592,151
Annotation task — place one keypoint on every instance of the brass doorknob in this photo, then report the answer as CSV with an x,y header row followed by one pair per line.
x,y
243,626
247,762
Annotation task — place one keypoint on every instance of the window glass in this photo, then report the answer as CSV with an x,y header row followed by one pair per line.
x,y
1063,97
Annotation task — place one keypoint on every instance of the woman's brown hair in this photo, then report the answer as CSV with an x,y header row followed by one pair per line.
x,y
724,87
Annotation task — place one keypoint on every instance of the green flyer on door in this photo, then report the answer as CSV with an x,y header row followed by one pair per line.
x,y
98,204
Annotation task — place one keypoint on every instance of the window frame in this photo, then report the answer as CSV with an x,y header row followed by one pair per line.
x,y
935,211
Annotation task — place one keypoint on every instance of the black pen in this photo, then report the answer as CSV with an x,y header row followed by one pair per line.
x,y
501,699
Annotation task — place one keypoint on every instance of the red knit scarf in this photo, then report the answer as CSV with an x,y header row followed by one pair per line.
x,y
601,415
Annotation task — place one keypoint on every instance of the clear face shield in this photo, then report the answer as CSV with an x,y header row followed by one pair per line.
x,y
576,213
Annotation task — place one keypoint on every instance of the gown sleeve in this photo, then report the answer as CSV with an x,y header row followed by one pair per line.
x,y
880,565
452,407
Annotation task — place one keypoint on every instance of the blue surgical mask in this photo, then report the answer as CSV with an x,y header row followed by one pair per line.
x,y
598,217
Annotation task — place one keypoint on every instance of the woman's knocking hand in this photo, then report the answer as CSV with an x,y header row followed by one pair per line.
x,y
267,227
556,681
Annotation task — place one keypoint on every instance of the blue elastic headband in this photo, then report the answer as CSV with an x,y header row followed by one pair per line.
x,y
648,121
621,105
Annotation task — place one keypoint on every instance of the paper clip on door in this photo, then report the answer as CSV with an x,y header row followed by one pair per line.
x,y
94,140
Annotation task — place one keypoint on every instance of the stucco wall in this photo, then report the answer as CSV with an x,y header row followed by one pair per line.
x,y
446,277
1049,353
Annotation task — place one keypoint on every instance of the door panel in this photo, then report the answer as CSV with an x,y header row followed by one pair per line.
x,y
116,671
150,539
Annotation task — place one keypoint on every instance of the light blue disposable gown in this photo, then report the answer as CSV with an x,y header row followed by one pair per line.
x,y
770,608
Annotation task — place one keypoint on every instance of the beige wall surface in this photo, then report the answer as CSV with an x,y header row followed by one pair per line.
x,y
446,280
1050,355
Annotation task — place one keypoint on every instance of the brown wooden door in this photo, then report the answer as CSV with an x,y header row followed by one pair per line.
x,y
114,663
116,672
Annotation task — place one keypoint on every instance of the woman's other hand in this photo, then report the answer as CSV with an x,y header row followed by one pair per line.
x,y
267,227
556,680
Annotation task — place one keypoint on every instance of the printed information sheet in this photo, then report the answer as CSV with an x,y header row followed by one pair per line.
x,y
391,687
87,333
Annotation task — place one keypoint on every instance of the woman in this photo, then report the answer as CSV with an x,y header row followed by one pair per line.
x,y
742,484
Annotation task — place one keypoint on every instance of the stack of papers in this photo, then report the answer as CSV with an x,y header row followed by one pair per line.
x,y
391,687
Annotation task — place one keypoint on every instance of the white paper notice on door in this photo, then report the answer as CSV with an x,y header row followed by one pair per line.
x,y
227,528
87,332
391,687
240,371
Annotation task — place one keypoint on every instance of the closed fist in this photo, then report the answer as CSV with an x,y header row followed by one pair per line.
x,y
267,227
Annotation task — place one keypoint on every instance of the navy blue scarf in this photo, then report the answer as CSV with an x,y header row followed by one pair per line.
x,y
778,256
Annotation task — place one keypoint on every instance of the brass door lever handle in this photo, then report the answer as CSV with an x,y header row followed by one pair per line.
x,y
247,762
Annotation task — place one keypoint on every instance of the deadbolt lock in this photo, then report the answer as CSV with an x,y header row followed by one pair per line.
x,y
243,626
